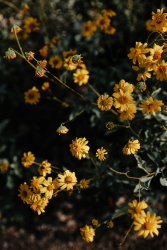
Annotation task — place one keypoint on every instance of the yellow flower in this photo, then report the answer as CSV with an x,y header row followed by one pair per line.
x,y
44,168
102,22
24,7
67,180
155,53
55,62
137,208
159,20
31,24
44,51
161,71
32,96
124,86
40,72
78,148
128,114
149,25
68,64
29,55
122,101
104,102
151,106
84,183
39,204
143,72
100,154
10,54
36,183
147,224
110,30
45,86
108,12
95,222
24,192
48,188
110,224
81,76
42,63
27,159
138,52
88,29
131,147
62,130
4,165
110,125
69,52
87,233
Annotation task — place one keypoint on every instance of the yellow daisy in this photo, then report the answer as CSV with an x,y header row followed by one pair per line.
x,y
39,204
138,53
100,154
137,208
31,24
110,30
122,101
87,233
44,168
55,62
27,159
67,180
161,71
78,148
149,25
143,71
102,22
88,28
68,64
84,183
128,114
159,20
124,86
151,106
104,102
24,192
131,147
108,12
47,188
32,96
81,76
4,166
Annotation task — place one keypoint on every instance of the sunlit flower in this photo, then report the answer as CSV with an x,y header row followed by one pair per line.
x,y
47,188
62,130
149,25
39,204
81,76
122,101
44,51
110,125
24,192
147,224
44,168
151,106
27,159
15,29
104,102
95,222
102,22
131,147
31,24
161,71
78,148
87,233
159,20
29,55
110,30
10,54
108,12
68,64
110,224
84,183
36,183
32,96
124,86
128,114
4,165
45,86
55,62
143,72
155,53
100,154
137,208
138,53
88,29
67,180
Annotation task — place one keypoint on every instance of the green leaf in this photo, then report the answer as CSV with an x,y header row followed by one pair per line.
x,y
154,93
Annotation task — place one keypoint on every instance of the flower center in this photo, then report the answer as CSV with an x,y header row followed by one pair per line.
x,y
87,28
123,100
50,187
157,56
68,179
148,225
102,22
104,103
24,194
137,209
137,52
31,96
77,147
151,107
163,69
158,20
80,77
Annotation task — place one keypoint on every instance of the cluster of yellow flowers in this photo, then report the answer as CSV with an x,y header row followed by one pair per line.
x,y
102,22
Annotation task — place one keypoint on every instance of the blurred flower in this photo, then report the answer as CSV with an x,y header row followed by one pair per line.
x,y
32,96
128,114
42,64
147,224
39,204
110,125
124,86
159,20
84,183
78,148
137,208
67,180
40,72
161,71
10,54
15,29
110,224
88,29
44,168
68,64
110,30
87,233
149,25
69,52
29,55
131,147
95,222
100,154
102,22
55,62
151,106
45,85
81,76
27,159
104,102
24,192
108,12
24,7
138,52
122,101
48,188
44,51
31,24
62,130
4,165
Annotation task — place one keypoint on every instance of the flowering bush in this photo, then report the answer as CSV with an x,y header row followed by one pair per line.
x,y
90,124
